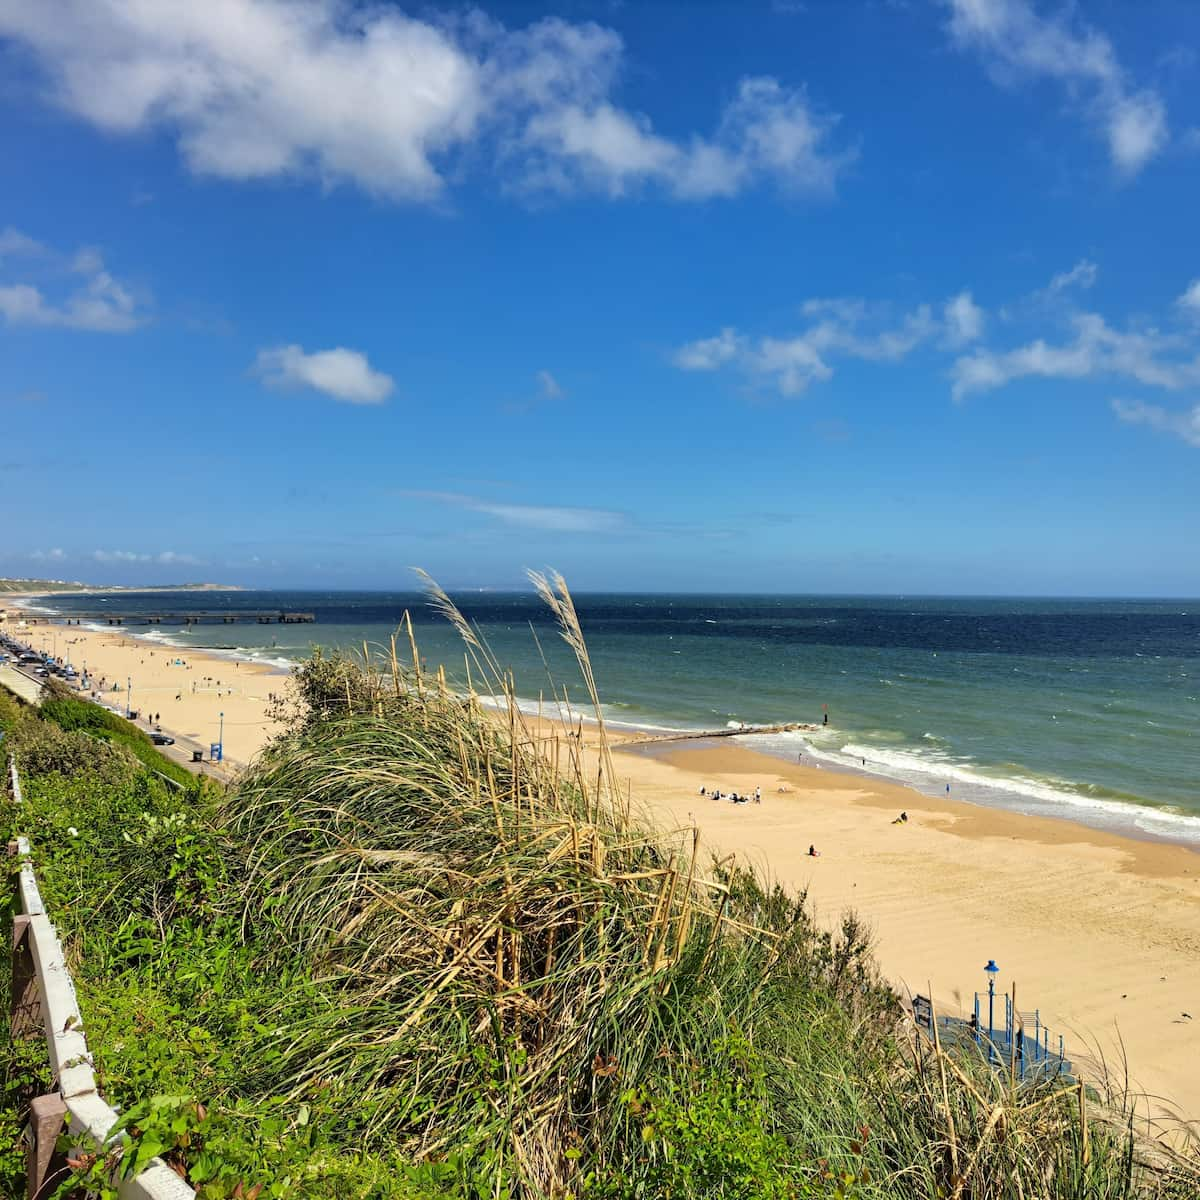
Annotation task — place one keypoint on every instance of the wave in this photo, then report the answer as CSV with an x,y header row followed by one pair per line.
x,y
29,606
551,711
930,771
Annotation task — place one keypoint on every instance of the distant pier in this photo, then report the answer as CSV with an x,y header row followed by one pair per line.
x,y
217,617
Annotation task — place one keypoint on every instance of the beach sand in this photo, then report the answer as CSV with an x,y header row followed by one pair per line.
x,y
1101,933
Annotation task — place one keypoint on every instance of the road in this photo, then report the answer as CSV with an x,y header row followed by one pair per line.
x,y
29,689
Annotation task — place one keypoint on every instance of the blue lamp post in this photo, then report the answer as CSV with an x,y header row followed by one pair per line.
x,y
992,971
221,741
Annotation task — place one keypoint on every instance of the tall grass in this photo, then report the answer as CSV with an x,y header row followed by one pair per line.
x,y
531,984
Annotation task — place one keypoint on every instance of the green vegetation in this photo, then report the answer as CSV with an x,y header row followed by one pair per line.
x,y
418,953
39,585
66,710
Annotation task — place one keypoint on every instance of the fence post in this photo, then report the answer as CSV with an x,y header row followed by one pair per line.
x,y
47,1114
25,1006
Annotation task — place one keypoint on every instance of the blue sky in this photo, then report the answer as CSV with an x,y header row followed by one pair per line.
x,y
869,297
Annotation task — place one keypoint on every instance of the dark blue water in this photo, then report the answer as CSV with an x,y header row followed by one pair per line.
x,y
1088,709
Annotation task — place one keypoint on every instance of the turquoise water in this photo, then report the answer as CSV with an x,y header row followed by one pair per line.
x,y
1083,709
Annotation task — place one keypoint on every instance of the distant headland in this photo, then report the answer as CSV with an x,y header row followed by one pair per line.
x,y
42,586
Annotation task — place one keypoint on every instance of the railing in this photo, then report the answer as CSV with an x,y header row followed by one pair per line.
x,y
43,998
1010,1047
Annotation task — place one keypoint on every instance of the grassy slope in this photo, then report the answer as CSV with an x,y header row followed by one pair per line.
x,y
68,711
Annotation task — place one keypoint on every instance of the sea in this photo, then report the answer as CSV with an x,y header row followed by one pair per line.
x,y
1083,709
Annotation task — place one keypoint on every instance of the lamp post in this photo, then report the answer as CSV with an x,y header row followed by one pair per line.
x,y
221,740
992,971
128,697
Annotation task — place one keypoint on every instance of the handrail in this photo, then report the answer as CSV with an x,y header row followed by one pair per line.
x,y
70,1061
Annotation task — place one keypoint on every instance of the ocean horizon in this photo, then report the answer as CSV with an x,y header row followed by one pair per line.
x,y
1085,709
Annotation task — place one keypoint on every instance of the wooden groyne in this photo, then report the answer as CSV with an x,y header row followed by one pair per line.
x,y
215,617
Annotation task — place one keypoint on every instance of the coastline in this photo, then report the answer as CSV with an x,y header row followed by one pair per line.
x,y
1018,792
1100,931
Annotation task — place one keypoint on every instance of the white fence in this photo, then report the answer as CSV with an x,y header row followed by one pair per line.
x,y
43,996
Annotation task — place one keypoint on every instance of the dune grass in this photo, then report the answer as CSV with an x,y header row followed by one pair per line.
x,y
537,985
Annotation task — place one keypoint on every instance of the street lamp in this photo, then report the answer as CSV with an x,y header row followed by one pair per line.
x,y
128,698
992,971
221,740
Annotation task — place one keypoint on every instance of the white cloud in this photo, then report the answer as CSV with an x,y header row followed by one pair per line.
x,y
102,304
1185,425
556,518
549,391
549,387
767,133
1146,356
13,242
343,374
843,327
708,354
1190,300
1137,130
55,555
163,557
1082,274
964,319
87,261
1017,44
366,95
552,517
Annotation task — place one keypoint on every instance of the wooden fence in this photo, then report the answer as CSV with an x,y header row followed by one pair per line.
x,y
43,1000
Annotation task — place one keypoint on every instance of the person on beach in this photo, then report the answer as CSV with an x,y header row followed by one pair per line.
x,y
813,852
758,795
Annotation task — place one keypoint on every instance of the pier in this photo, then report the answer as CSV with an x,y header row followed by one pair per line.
x,y
216,617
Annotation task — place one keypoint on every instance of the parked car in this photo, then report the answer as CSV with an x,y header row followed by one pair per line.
x,y
162,739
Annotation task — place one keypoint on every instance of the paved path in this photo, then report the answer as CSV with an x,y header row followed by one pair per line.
x,y
29,690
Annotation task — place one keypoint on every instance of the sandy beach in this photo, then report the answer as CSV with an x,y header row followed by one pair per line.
x,y
1100,933
188,691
